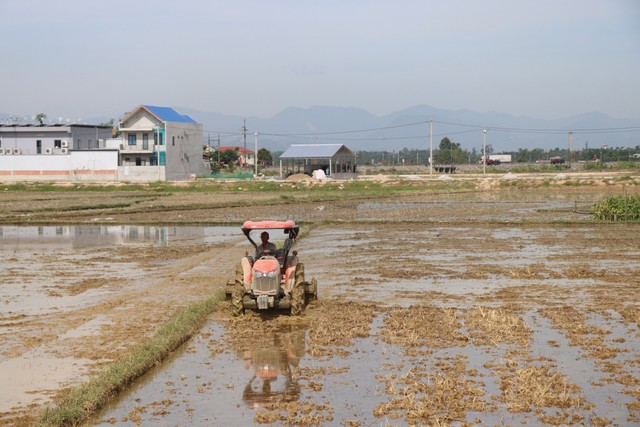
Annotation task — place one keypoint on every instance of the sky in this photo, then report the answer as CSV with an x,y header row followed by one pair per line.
x,y
545,59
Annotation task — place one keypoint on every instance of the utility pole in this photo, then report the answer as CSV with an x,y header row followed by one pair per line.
x,y
218,150
484,151
244,134
570,146
255,155
430,147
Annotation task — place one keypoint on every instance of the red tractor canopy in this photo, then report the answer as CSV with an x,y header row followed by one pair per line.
x,y
289,227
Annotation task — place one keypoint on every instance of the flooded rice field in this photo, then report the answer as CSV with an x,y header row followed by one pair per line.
x,y
436,322
498,325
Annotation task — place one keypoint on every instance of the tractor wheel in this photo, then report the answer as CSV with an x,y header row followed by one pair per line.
x,y
311,291
237,295
297,293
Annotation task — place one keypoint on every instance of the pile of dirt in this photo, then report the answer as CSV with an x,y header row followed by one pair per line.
x,y
300,177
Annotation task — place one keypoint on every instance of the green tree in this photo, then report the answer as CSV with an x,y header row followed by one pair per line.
x,y
41,117
450,152
229,157
264,157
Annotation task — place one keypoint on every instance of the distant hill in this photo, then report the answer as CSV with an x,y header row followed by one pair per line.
x,y
408,128
389,132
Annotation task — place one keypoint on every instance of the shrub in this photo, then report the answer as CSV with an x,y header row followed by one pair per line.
x,y
617,208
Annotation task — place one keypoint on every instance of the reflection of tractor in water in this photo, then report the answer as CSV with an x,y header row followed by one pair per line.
x,y
273,277
272,360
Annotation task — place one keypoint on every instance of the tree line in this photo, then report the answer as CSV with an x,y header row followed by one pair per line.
x,y
447,152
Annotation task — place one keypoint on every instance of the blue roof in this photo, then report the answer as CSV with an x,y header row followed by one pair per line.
x,y
168,114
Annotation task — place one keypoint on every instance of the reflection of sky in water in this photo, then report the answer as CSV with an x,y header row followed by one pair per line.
x,y
40,263
87,236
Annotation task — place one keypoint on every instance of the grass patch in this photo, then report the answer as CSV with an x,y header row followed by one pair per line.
x,y
83,401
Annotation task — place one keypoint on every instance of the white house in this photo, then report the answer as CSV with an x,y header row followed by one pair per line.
x,y
157,144
162,141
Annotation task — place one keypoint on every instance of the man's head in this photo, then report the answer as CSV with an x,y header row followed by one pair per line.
x,y
264,236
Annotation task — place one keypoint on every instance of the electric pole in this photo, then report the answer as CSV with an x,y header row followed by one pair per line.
x,y
244,134
484,151
255,156
570,146
430,148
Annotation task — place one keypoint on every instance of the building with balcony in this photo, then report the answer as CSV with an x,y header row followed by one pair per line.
x,y
163,142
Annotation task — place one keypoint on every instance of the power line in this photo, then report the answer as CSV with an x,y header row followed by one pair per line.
x,y
327,136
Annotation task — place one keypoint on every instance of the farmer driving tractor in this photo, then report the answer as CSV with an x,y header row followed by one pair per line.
x,y
265,248
272,277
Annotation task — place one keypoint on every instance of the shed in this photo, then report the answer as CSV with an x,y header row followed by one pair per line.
x,y
336,160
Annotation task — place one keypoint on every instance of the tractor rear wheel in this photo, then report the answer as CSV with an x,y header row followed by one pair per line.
x,y
297,293
237,295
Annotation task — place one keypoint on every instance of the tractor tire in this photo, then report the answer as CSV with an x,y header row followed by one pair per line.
x,y
237,295
297,293
311,291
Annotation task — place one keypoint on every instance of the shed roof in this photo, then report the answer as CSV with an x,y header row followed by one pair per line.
x,y
297,151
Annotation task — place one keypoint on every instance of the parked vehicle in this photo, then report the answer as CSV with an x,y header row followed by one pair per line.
x,y
501,158
556,160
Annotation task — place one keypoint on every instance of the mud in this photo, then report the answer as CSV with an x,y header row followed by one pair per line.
x,y
472,308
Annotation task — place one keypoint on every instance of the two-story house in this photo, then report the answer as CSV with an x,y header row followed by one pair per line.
x,y
164,140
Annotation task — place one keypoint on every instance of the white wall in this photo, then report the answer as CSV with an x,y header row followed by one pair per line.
x,y
90,165
141,173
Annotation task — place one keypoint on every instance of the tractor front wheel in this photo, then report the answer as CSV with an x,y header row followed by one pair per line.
x,y
297,293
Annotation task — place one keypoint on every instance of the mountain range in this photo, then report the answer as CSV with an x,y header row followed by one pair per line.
x,y
409,128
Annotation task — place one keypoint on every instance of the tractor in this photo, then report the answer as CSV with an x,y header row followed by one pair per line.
x,y
271,279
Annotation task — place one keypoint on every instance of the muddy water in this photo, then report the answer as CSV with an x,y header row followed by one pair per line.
x,y
53,281
420,323
479,325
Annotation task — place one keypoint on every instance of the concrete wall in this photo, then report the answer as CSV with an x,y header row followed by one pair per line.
x,y
90,165
184,151
141,173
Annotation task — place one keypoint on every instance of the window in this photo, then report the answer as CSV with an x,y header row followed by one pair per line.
x,y
38,146
173,141
57,143
145,141
132,139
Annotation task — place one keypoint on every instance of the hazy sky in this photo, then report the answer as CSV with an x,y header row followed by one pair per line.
x,y
541,58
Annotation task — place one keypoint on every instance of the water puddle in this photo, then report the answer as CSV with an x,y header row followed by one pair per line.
x,y
340,364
